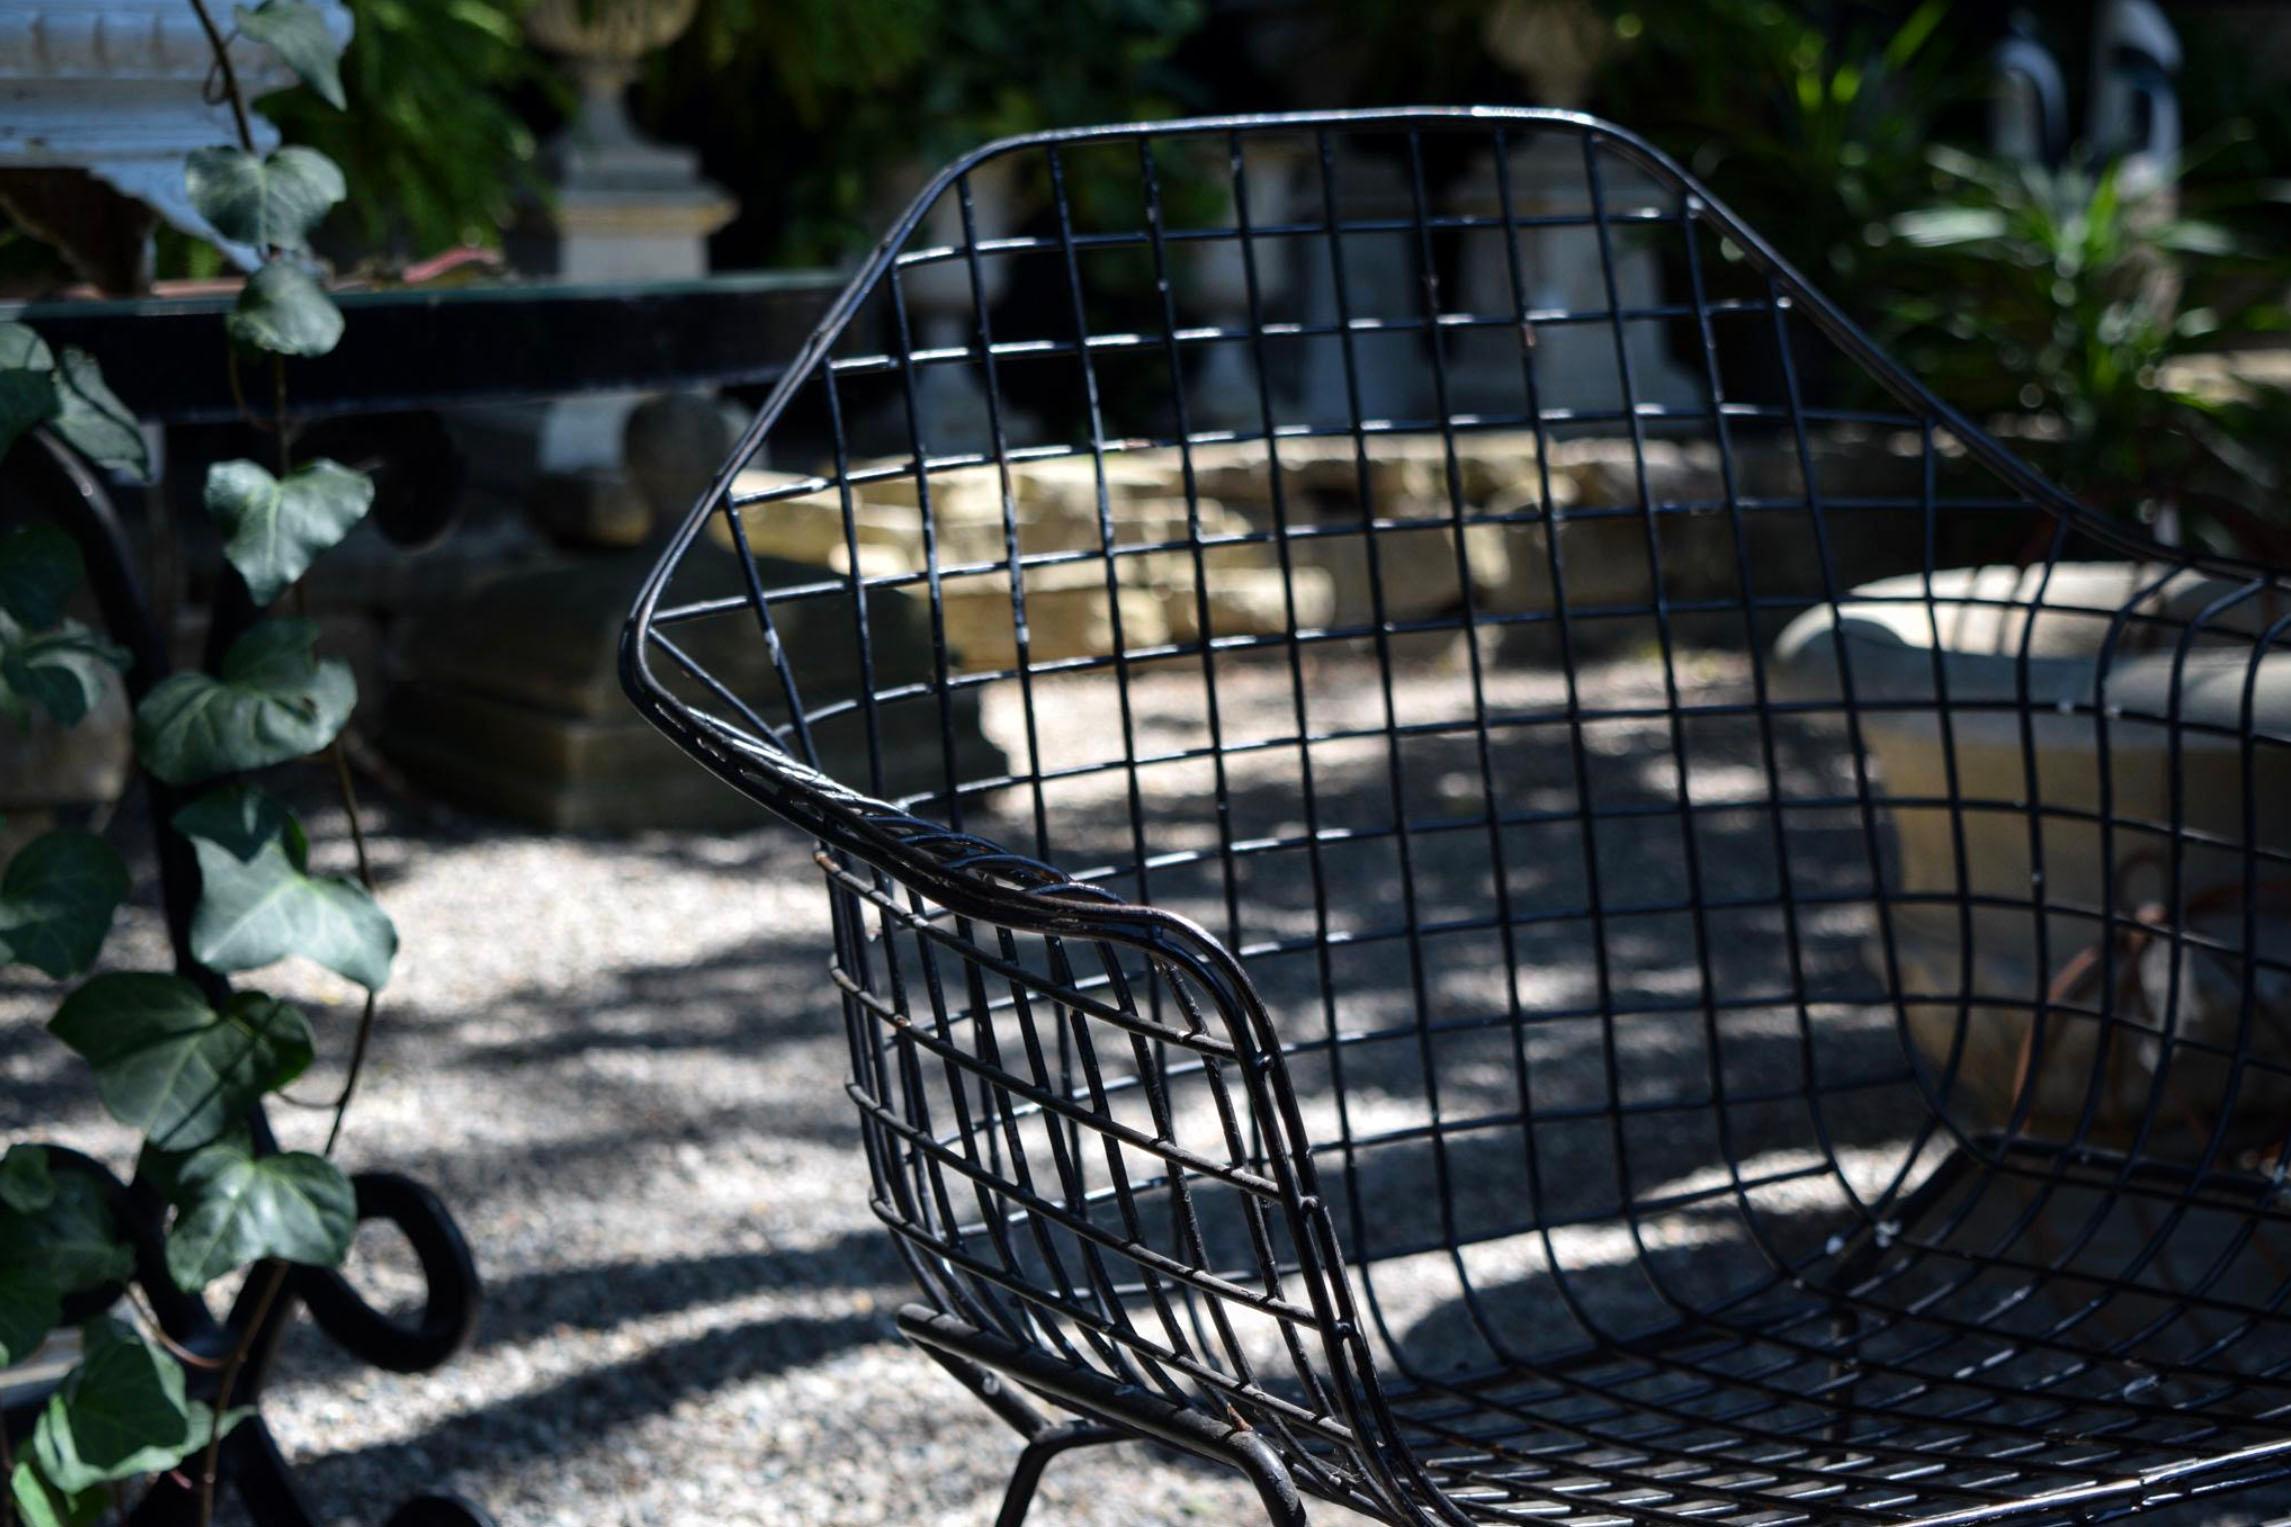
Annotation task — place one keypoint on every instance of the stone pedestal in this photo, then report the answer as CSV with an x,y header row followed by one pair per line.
x,y
620,208
1560,271
510,701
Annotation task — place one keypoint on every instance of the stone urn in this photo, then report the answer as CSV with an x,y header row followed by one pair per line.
x,y
1982,940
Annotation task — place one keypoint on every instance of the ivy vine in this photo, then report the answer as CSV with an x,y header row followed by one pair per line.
x,y
181,1058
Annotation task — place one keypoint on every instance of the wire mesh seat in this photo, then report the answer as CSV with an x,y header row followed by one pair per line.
x,y
1482,867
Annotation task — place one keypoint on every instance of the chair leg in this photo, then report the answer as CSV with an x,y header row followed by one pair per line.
x,y
1284,1507
1035,1457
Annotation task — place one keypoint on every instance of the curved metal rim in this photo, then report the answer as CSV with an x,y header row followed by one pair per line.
x,y
1390,1466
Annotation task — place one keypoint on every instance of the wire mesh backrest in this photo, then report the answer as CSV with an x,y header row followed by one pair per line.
x,y
1366,537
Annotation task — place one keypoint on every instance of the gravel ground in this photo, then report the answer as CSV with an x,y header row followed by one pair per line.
x,y
616,1060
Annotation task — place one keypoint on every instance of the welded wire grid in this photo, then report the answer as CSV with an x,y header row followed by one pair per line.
x,y
1625,1101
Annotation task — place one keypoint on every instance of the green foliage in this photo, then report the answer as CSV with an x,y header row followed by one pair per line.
x,y
30,1306
283,309
258,902
57,899
61,671
39,570
275,700
430,137
46,661
182,1068
26,1184
297,33
241,1208
120,1414
70,1239
2063,294
269,203
40,1504
69,396
170,1065
859,91
1816,126
274,526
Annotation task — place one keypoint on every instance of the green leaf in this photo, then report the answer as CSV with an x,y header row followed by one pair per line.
x,y
39,568
284,310
72,1238
170,1065
276,527
57,901
120,1414
258,903
26,1185
27,383
297,33
30,1306
270,203
62,671
275,700
295,1206
40,1504
94,422
27,400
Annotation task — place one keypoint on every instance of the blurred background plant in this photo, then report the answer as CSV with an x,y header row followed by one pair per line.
x,y
866,95
2104,316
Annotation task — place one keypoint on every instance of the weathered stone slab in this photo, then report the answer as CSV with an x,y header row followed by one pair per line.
x,y
511,699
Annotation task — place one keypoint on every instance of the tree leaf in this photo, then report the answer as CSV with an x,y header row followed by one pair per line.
x,y
27,400
57,901
295,1206
30,1306
277,527
27,384
94,422
62,671
170,1065
284,310
120,1414
275,700
40,1504
26,1185
270,203
39,569
297,33
258,903
71,1238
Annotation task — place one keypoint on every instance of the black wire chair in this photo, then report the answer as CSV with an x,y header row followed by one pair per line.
x,y
1558,959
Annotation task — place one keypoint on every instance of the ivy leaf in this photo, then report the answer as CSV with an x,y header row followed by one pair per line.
x,y
268,203
294,1206
71,1238
94,422
277,527
297,33
120,1414
284,310
258,903
170,1065
27,383
26,1185
275,700
57,901
62,671
40,1504
39,568
30,1306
